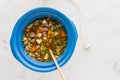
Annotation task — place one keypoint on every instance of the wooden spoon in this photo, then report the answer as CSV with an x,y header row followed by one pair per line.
x,y
56,63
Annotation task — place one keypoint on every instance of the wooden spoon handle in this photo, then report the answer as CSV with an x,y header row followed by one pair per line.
x,y
57,65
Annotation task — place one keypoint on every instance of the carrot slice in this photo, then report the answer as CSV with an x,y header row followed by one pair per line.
x,y
37,31
43,29
33,49
63,34
48,36
47,40
53,33
48,19
27,30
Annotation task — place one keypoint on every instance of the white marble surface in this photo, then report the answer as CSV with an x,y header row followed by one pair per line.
x,y
101,20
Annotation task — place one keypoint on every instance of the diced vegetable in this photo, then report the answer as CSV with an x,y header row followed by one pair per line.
x,y
31,54
32,34
56,57
43,48
49,31
56,33
36,53
63,34
50,40
58,50
48,19
44,21
27,30
24,38
38,31
44,38
33,48
30,26
48,36
26,48
52,28
53,33
37,46
25,42
46,56
29,45
36,22
44,34
42,29
38,58
32,40
46,29
60,25
39,35
38,41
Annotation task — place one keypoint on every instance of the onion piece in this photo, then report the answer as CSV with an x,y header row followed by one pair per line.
x,y
46,56
39,35
38,41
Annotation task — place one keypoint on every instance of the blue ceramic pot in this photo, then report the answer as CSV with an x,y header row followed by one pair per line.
x,y
17,44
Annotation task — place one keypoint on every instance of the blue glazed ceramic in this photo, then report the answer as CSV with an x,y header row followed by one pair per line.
x,y
18,48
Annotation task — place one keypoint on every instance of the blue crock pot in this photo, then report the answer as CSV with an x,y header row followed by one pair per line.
x,y
18,48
